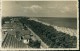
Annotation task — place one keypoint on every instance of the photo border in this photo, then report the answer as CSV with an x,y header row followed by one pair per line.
x,y
43,48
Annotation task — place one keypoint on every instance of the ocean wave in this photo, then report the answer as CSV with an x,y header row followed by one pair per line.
x,y
69,31
72,32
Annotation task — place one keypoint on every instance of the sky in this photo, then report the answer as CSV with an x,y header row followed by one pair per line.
x,y
40,8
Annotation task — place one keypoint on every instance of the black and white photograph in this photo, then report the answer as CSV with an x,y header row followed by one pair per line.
x,y
39,25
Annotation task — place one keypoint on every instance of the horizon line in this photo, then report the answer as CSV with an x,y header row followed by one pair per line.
x,y
40,16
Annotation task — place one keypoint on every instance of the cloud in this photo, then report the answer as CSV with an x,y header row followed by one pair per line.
x,y
67,8
36,6
33,8
62,11
51,7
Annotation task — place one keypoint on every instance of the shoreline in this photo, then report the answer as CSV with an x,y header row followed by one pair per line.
x,y
71,32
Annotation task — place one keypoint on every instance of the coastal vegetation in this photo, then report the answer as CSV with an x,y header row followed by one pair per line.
x,y
52,37
48,34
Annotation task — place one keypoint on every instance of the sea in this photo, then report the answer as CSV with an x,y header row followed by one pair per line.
x,y
61,22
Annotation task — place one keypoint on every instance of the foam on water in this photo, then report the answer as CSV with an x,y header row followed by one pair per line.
x,y
69,31
72,32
